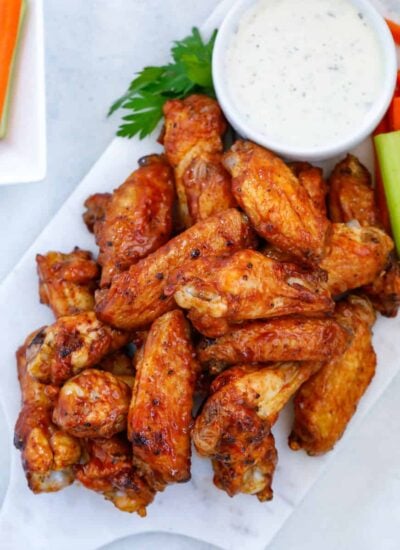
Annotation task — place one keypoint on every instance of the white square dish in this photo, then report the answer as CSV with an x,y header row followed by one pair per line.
x,y
23,149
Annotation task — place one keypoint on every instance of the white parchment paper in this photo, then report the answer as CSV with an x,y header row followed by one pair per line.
x,y
80,519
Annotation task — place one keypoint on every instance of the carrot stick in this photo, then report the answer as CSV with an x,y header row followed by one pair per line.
x,y
11,12
395,30
394,114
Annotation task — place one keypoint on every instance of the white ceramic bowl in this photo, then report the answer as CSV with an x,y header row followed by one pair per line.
x,y
245,129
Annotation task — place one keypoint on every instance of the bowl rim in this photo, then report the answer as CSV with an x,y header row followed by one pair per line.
x,y
374,115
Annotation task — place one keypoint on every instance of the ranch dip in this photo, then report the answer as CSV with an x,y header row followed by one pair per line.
x,y
304,72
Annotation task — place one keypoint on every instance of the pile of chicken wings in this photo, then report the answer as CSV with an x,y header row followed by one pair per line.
x,y
225,284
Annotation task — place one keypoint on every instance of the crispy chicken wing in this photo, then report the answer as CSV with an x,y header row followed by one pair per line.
x,y
67,281
351,196
278,206
357,255
70,345
138,217
384,291
312,179
160,414
108,470
47,453
136,298
234,425
325,404
246,285
120,364
95,209
93,403
286,339
193,143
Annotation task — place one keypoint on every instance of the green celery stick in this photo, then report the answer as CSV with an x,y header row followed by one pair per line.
x,y
388,153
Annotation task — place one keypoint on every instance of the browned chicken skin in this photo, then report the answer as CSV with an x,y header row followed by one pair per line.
x,y
160,414
351,196
137,218
136,298
325,404
286,339
384,291
279,207
234,425
193,144
93,403
95,209
246,285
67,281
312,179
108,470
356,256
47,452
70,345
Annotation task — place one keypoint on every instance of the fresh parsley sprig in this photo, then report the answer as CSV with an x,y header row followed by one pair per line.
x,y
190,72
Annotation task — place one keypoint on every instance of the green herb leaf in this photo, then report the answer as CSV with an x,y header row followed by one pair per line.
x,y
190,72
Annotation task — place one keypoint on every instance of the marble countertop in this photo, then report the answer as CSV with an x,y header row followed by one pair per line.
x,y
92,50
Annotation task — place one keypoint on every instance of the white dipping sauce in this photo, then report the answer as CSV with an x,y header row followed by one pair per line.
x,y
304,72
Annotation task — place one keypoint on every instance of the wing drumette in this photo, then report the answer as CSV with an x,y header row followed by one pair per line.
x,y
67,281
234,426
108,470
70,345
48,454
93,403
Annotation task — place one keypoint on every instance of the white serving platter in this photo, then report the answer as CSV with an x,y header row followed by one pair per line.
x,y
23,150
80,519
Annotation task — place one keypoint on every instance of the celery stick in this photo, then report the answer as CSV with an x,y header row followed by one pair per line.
x,y
388,153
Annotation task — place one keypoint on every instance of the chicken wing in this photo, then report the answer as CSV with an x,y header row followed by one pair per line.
x,y
47,453
193,143
351,196
312,179
160,414
120,364
70,345
136,298
279,208
108,470
93,403
234,426
326,403
244,286
286,339
67,281
384,291
138,217
95,210
357,255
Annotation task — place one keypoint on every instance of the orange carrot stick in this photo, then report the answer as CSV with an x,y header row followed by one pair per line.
x,y
10,16
394,115
395,30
